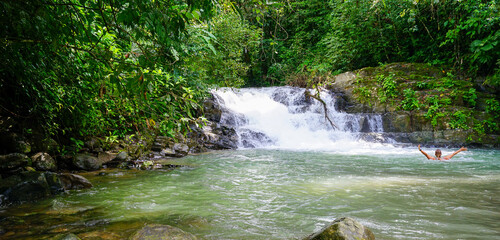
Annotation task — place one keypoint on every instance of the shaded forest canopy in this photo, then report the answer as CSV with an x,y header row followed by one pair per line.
x,y
78,68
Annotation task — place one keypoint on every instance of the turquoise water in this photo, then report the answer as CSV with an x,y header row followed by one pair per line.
x,y
282,194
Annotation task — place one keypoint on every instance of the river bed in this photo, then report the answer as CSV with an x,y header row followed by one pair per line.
x,y
281,194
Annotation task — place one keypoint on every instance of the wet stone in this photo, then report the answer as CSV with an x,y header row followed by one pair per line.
x,y
160,232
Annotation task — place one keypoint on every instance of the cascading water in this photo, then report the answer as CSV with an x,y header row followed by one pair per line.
x,y
285,117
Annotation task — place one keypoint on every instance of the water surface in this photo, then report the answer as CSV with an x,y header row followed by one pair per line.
x,y
282,194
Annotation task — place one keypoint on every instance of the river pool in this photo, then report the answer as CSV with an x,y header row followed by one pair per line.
x,y
281,194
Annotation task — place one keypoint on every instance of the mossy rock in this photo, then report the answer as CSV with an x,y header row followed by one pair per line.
x,y
343,229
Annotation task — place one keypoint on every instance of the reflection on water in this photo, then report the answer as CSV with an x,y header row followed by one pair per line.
x,y
277,194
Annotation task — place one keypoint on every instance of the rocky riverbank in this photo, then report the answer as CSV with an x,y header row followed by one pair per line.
x,y
421,104
32,169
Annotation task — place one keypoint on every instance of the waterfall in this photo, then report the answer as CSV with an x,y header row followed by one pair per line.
x,y
284,117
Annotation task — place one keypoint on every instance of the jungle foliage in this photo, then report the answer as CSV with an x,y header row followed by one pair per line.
x,y
344,35
114,67
80,68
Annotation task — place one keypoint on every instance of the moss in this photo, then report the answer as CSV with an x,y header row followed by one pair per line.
x,y
445,101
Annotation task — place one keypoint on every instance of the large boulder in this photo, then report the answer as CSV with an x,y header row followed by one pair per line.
x,y
213,108
93,144
31,186
159,232
47,145
22,147
55,184
106,157
343,229
72,181
86,162
180,149
215,137
161,142
43,162
13,161
25,187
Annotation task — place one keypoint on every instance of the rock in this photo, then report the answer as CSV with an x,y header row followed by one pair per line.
x,y
101,235
30,169
159,232
180,149
253,139
160,143
69,236
421,137
344,81
13,161
122,156
120,159
343,229
25,187
105,157
93,144
43,162
456,136
86,162
233,119
47,145
167,152
215,137
212,108
397,122
136,150
55,184
22,147
73,181
31,186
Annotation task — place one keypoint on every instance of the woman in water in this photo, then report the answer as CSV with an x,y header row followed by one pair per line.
x,y
438,154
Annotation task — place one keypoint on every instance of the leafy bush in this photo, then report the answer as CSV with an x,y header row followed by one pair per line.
x,y
459,120
493,107
93,67
470,97
389,89
410,101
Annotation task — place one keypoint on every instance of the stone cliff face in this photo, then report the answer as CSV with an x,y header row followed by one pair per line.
x,y
421,104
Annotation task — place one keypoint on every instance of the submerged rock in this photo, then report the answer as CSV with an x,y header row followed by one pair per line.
x,y
69,236
159,232
343,229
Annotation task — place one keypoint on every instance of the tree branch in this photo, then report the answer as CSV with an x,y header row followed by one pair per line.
x,y
308,94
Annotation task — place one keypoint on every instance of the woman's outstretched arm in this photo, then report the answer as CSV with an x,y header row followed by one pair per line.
x,y
448,157
426,155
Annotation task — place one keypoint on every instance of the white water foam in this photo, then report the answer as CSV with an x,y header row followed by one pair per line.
x,y
285,118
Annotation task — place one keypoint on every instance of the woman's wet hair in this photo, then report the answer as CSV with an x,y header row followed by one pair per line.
x,y
438,153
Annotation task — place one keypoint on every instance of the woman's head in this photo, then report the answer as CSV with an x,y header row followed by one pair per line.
x,y
438,153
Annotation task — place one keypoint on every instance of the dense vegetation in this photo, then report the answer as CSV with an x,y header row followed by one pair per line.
x,y
78,68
